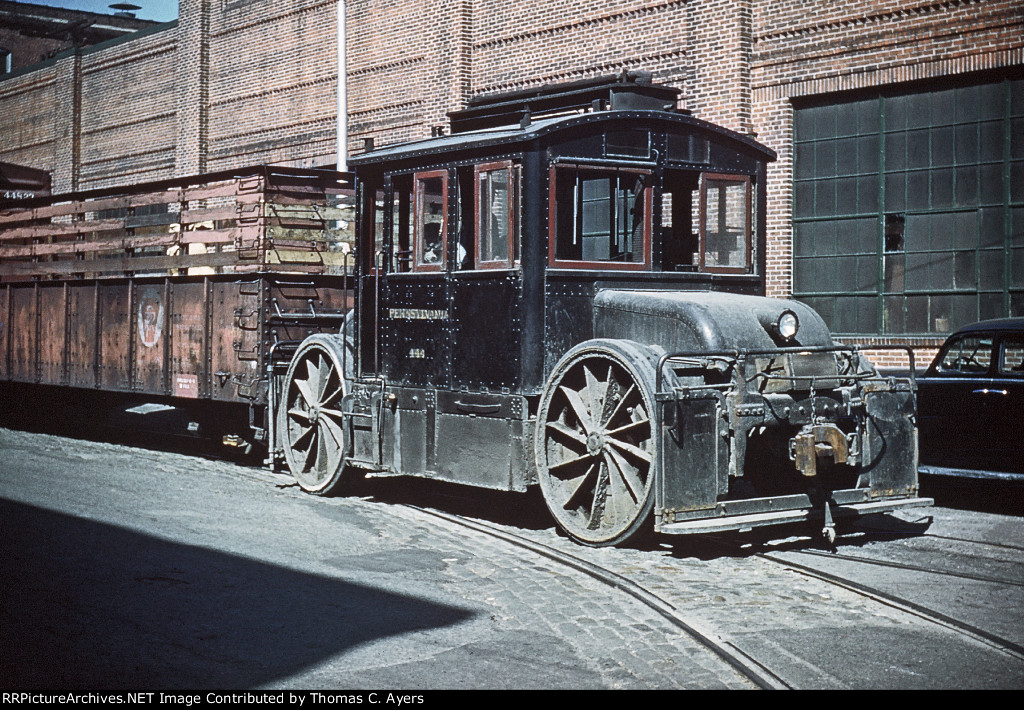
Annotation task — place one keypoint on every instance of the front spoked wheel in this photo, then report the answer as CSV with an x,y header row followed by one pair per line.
x,y
313,433
596,445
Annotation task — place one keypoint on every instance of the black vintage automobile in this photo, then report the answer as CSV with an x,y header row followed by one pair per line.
x,y
567,290
971,403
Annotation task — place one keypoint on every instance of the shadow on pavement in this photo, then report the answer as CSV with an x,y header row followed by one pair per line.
x,y
983,496
90,605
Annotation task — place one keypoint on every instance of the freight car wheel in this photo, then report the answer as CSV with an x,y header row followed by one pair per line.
x,y
312,430
595,444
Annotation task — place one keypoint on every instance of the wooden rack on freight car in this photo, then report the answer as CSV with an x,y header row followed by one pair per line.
x,y
253,219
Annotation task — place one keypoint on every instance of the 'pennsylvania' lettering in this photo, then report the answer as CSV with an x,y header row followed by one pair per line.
x,y
418,313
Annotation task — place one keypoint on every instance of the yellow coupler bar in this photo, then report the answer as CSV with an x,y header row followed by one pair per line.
x,y
819,440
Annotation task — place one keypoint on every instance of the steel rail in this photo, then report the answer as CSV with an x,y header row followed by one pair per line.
x,y
745,665
909,567
998,643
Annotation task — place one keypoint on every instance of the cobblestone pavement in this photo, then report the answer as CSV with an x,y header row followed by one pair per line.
x,y
365,592
421,603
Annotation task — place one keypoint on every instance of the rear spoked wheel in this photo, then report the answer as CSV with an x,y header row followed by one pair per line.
x,y
312,429
595,444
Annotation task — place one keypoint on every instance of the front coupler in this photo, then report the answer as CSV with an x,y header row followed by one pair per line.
x,y
753,438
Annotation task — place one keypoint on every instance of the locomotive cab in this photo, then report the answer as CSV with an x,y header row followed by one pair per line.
x,y
567,290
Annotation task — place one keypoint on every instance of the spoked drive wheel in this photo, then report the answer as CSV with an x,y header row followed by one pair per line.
x,y
596,445
312,429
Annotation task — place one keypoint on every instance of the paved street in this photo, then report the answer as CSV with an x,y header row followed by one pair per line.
x,y
127,568
134,568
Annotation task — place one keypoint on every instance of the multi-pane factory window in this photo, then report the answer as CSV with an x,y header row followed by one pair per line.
x,y
909,208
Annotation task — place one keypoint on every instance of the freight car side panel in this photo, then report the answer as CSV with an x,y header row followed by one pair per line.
x,y
234,314
150,341
24,334
115,336
5,331
53,315
81,335
188,340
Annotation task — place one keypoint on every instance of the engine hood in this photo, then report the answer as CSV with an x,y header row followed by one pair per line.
x,y
702,320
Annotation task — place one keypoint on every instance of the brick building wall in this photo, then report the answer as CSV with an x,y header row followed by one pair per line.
x,y
275,100
27,130
128,112
237,82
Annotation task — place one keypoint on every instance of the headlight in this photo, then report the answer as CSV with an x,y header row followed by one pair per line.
x,y
787,325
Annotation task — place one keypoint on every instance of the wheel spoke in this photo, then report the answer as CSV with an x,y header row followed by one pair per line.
x,y
564,469
307,393
304,434
333,396
323,371
638,428
330,435
299,414
620,404
599,503
313,380
579,408
595,394
567,433
635,451
631,481
580,490
312,453
335,431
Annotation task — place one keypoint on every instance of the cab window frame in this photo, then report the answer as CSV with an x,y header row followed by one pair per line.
x,y
419,265
480,231
646,233
703,249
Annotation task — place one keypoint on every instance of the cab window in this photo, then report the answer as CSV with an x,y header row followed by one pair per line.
x,y
725,223
600,217
497,242
430,207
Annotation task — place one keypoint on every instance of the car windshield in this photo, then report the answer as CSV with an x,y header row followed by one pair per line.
x,y
970,354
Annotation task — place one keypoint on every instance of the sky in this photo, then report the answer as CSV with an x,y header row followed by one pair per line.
x,y
159,10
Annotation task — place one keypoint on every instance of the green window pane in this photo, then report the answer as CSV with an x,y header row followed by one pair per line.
x,y
941,187
991,269
965,230
942,226
966,190
965,271
895,152
942,146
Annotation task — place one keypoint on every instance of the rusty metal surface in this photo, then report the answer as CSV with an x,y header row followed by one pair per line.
x,y
189,337
178,288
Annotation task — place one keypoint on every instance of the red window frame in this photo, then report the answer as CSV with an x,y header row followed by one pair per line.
x,y
648,193
748,236
418,223
509,259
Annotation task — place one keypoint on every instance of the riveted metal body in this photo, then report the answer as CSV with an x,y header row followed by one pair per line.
x,y
566,291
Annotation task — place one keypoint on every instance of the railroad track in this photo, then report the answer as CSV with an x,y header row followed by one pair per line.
x,y
763,672
743,664
932,616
